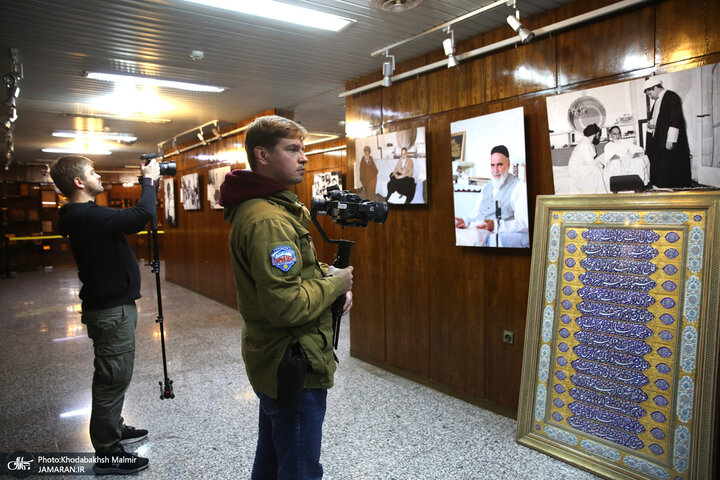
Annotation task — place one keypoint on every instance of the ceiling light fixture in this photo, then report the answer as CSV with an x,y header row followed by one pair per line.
x,y
152,81
77,150
395,6
388,69
201,137
449,47
283,12
127,118
119,137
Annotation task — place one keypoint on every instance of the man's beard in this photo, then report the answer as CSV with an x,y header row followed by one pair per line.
x,y
498,182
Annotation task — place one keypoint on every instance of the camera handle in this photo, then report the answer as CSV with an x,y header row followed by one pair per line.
x,y
166,390
342,260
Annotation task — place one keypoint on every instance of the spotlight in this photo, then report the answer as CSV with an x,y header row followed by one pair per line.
x,y
10,79
201,137
449,47
388,69
525,34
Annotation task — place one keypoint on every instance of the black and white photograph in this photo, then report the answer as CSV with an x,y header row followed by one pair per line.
x,y
489,181
323,180
169,192
215,179
657,132
391,167
190,192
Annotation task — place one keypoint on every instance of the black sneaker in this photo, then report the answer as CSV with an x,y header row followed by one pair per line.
x,y
119,463
132,435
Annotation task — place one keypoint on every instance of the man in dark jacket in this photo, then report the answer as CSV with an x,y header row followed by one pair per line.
x,y
284,295
110,280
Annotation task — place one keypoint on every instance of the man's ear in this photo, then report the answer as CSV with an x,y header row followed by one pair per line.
x,y
261,155
79,183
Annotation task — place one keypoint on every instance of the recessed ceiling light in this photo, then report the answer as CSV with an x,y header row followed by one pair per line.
x,y
157,82
120,137
76,150
283,12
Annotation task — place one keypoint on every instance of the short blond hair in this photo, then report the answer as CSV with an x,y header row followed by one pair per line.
x,y
65,170
267,132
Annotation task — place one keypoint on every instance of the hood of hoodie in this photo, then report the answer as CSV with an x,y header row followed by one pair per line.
x,y
242,185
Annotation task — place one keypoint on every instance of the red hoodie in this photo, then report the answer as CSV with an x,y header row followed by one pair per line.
x,y
241,185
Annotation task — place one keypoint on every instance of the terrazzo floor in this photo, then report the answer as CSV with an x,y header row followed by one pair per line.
x,y
378,425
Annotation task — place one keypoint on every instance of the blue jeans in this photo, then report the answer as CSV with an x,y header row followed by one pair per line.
x,y
288,444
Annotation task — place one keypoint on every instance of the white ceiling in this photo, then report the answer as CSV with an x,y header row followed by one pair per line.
x,y
265,64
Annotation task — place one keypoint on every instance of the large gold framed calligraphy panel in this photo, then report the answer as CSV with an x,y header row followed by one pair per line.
x,y
621,348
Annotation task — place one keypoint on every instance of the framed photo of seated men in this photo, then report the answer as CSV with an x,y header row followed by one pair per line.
x,y
392,167
489,182
620,366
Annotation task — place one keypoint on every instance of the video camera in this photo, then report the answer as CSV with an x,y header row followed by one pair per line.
x,y
166,168
348,209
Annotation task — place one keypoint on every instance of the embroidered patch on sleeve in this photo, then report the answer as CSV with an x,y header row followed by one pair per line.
x,y
283,257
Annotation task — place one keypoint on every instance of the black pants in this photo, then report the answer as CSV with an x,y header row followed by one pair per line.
x,y
404,186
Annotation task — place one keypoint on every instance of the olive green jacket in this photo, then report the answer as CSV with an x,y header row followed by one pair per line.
x,y
282,292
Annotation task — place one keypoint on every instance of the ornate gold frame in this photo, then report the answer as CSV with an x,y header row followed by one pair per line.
x,y
621,346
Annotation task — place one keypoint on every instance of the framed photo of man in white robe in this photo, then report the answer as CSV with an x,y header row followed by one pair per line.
x,y
489,181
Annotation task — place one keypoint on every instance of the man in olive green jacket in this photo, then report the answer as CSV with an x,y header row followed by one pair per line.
x,y
284,295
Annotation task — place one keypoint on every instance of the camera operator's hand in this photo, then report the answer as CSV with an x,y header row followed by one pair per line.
x,y
348,302
345,274
151,170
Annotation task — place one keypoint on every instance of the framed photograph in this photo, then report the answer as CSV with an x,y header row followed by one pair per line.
x,y
583,163
621,348
325,179
392,167
170,204
190,192
457,146
489,184
216,177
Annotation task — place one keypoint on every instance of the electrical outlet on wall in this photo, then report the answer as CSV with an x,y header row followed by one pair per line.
x,y
508,337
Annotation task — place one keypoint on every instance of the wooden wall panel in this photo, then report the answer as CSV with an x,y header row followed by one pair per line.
x,y
407,289
523,69
686,30
363,108
442,308
406,98
453,88
609,47
456,301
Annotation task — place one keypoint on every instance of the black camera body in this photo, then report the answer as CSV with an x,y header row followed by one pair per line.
x,y
166,168
349,209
